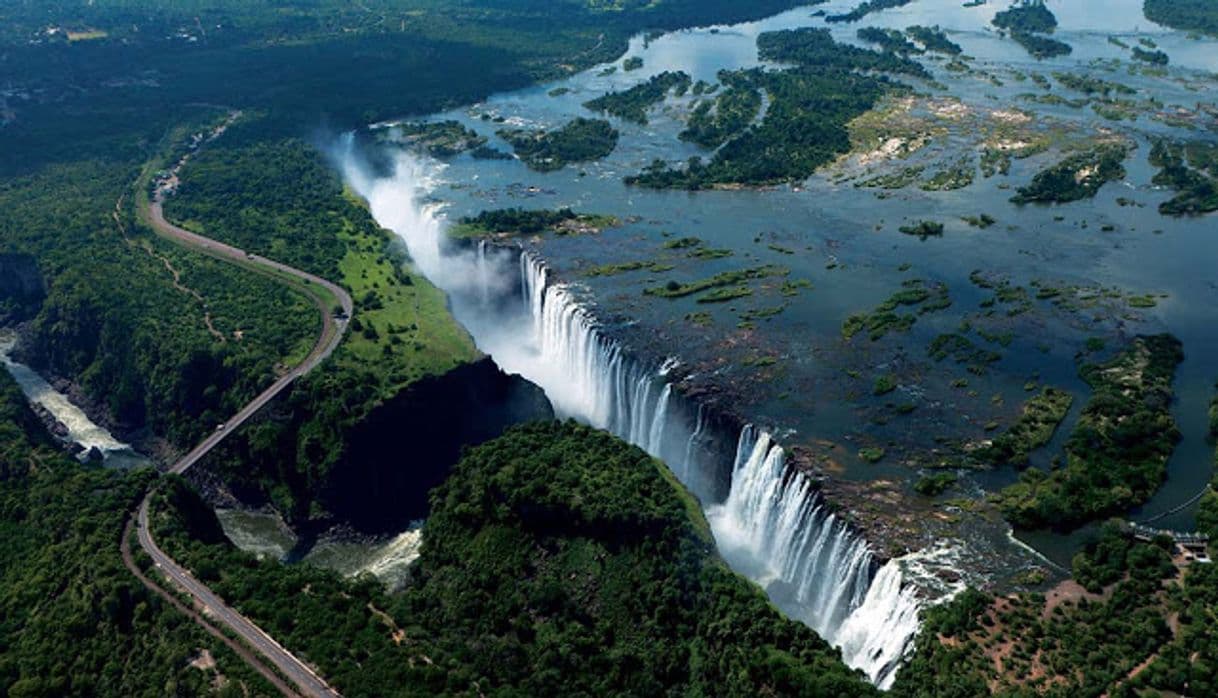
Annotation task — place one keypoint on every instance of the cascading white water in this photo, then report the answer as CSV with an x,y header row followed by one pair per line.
x,y
773,526
79,428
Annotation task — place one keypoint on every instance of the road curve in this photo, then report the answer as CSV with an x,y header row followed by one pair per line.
x,y
331,332
334,325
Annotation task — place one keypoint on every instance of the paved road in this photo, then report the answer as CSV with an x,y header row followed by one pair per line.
x,y
245,653
299,673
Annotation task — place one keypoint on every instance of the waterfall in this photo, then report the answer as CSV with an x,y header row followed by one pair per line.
x,y
877,633
773,526
589,377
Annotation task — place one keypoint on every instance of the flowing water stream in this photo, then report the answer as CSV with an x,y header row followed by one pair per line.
x,y
77,427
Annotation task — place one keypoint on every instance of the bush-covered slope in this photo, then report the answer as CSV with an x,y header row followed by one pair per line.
x,y
557,560
73,619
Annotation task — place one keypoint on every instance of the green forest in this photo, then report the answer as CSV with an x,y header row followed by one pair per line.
x,y
557,560
805,124
580,140
73,619
1116,456
1188,15
1137,624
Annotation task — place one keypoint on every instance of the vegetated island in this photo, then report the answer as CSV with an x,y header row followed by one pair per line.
x,y
1191,170
865,8
581,140
1187,15
632,104
1078,176
439,139
511,222
1116,456
1028,21
914,293
934,39
805,124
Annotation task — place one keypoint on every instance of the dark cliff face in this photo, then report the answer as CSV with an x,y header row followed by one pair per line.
x,y
22,287
408,445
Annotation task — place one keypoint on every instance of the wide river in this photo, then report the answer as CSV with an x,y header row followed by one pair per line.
x,y
843,239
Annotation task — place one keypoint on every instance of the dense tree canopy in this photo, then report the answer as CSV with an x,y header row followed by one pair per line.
x,y
557,560
73,619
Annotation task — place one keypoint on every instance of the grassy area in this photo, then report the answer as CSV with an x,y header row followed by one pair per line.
x,y
402,325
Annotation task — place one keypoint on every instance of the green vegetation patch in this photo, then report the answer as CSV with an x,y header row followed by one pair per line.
x,y
872,454
884,384
1092,85
439,139
982,221
581,140
1041,46
1079,176
402,330
1028,16
510,222
805,124
865,8
935,484
816,47
1142,628
1041,416
892,40
934,39
675,289
957,176
962,350
884,318
1188,15
1151,57
633,104
552,536
714,121
624,267
1028,21
923,229
1117,454
894,180
723,295
1191,170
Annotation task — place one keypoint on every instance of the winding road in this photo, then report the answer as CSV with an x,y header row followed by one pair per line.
x,y
336,309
